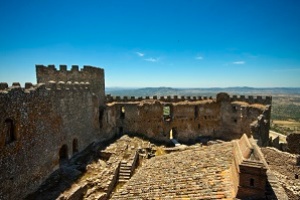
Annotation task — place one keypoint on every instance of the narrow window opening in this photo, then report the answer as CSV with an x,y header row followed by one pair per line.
x,y
122,114
199,126
196,112
63,155
101,114
296,176
121,130
252,182
75,145
167,113
9,131
234,108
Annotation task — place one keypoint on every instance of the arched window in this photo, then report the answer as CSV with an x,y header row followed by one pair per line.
x,y
63,155
75,145
9,131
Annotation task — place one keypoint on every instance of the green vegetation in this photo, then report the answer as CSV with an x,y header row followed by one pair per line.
x,y
285,110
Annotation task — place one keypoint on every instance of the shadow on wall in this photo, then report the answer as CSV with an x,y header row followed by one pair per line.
x,y
69,172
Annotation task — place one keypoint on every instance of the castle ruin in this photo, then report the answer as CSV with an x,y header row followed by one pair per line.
x,y
43,125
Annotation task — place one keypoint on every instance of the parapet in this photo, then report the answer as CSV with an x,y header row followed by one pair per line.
x,y
51,86
170,99
87,73
63,68
93,75
267,100
173,99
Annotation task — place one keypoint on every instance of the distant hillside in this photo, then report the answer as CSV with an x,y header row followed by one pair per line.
x,y
165,91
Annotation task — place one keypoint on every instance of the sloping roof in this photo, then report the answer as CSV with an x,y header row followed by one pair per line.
x,y
200,173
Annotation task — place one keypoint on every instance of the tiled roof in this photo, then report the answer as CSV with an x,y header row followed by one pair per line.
x,y
200,173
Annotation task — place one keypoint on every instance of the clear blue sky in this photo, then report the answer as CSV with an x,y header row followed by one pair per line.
x,y
188,43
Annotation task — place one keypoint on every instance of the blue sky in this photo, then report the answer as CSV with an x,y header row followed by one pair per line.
x,y
150,43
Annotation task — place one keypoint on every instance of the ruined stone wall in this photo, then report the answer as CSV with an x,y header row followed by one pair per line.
x,y
41,126
146,117
293,143
222,96
93,75
286,168
190,117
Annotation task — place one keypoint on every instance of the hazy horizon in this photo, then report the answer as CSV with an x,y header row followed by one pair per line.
x,y
179,44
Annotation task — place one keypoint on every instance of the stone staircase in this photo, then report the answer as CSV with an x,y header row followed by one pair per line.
x,y
124,172
127,167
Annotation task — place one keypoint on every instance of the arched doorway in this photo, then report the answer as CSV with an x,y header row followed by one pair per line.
x,y
173,133
63,155
122,113
75,145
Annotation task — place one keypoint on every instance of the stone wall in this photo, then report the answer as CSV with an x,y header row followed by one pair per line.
x,y
249,99
286,168
93,75
190,118
293,143
41,127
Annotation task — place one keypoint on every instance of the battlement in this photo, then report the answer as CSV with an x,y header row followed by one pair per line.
x,y
63,69
175,98
40,87
250,99
93,75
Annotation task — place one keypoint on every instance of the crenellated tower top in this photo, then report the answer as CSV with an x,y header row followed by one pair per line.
x,y
93,75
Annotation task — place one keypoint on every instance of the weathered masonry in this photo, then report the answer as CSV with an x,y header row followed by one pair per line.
x,y
43,125
190,118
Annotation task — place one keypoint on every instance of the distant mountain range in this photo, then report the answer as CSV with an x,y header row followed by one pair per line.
x,y
168,91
